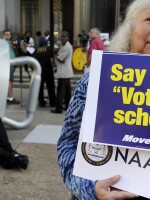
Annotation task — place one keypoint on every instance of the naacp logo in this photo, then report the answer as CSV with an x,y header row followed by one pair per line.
x,y
96,154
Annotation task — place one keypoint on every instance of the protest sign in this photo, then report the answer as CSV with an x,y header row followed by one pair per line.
x,y
97,162
117,110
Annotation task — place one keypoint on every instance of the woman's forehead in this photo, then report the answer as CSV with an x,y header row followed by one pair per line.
x,y
145,12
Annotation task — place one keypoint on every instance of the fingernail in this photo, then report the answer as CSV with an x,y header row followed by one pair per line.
x,y
117,177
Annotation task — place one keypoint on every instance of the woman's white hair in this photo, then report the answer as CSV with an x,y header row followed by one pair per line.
x,y
121,40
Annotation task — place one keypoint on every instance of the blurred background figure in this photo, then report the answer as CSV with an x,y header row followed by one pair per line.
x,y
44,55
49,39
64,73
39,37
47,35
84,38
7,37
29,41
95,43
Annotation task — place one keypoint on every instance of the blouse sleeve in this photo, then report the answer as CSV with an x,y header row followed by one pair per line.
x,y
83,189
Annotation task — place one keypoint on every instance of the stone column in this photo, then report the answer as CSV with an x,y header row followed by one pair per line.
x,y
77,20
45,18
2,15
12,15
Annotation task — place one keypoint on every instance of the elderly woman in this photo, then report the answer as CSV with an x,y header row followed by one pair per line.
x,y
132,36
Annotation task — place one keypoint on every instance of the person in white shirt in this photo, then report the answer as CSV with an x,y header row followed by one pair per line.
x,y
47,35
64,73
28,39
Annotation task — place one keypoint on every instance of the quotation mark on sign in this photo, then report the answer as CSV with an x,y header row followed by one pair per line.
x,y
116,89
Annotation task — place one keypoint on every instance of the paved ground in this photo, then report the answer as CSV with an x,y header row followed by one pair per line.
x,y
41,181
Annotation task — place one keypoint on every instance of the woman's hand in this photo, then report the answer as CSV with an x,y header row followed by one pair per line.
x,y
105,192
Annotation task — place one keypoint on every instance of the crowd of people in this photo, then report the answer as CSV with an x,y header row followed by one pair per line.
x,y
58,99
43,51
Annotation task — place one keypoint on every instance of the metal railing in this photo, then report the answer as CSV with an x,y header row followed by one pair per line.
x,y
33,91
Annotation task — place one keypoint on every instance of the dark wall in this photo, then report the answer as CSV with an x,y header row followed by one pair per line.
x,y
67,18
103,15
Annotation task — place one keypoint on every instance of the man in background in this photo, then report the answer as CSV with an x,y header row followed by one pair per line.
x,y
95,43
29,41
7,38
64,73
47,35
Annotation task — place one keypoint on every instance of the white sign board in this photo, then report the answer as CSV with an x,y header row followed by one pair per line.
x,y
4,75
96,161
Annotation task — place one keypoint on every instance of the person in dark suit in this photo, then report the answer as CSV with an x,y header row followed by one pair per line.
x,y
44,55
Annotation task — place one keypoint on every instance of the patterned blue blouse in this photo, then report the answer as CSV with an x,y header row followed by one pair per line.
x,y
83,189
